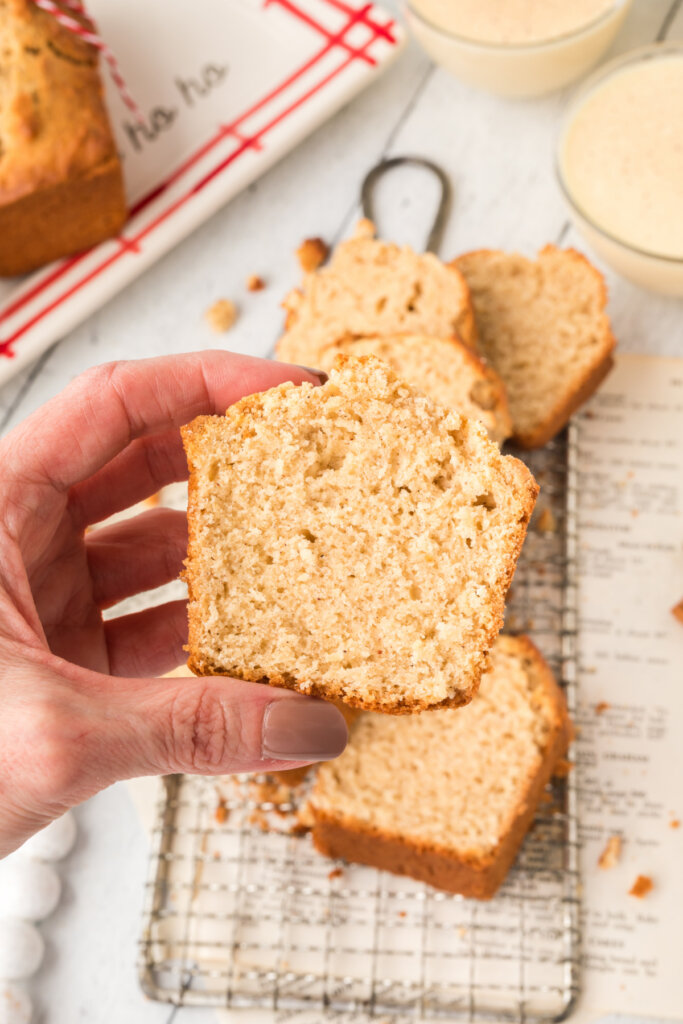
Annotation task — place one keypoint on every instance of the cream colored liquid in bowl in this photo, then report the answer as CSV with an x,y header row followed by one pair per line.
x,y
620,163
506,22
622,156
516,47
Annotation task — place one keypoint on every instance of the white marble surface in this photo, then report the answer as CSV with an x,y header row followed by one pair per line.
x,y
499,155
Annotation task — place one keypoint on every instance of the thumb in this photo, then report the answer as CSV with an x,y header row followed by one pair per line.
x,y
215,725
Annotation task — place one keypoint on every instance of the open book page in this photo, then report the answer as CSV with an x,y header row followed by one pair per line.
x,y
630,742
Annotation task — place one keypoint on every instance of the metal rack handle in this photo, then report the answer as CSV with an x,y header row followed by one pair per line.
x,y
443,209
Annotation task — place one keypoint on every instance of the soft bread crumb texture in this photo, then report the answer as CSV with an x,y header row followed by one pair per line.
x,y
353,541
312,253
221,316
443,368
677,611
374,287
642,887
611,854
447,796
542,325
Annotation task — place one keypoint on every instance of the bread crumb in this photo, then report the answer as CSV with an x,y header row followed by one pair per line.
x,y
365,228
335,873
609,857
462,932
402,913
221,814
546,522
641,887
601,706
563,768
255,283
674,823
221,316
311,253
259,820
153,500
677,611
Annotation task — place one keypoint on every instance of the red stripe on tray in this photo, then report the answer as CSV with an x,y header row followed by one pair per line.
x,y
132,245
333,38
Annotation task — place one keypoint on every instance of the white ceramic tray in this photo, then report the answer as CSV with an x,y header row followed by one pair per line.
x,y
226,87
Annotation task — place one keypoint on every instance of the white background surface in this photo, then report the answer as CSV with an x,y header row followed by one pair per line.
x,y
499,155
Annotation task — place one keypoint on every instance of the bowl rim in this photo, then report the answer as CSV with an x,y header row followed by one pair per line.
x,y
652,51
540,44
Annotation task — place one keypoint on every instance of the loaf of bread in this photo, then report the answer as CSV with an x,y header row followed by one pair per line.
x,y
353,541
448,796
61,188
443,368
371,287
542,325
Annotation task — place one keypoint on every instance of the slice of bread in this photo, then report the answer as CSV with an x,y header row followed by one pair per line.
x,y
374,287
353,541
542,325
442,368
448,797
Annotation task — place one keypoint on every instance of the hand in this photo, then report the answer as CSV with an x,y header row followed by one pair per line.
x,y
78,709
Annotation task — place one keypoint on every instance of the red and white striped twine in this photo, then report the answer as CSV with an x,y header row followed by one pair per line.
x,y
94,39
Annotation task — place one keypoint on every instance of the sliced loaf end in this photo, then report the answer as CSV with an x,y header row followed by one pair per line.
x,y
542,324
448,797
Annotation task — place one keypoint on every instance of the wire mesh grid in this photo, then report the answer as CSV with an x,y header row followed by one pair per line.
x,y
242,912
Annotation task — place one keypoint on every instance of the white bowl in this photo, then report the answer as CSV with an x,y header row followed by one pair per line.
x,y
522,70
648,268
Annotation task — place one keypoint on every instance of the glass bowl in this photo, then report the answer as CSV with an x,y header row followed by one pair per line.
x,y
656,270
516,69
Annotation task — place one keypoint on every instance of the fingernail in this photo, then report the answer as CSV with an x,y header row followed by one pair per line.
x,y
320,374
303,730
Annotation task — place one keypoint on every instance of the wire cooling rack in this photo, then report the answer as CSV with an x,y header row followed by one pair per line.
x,y
242,912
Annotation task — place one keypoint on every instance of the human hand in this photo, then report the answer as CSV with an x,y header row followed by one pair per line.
x,y
79,704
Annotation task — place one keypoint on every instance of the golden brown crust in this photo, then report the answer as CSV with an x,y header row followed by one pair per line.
x,y
61,186
559,415
562,413
44,226
471,876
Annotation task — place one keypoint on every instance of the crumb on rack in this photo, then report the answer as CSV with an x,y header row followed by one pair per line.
x,y
641,887
259,820
674,823
221,814
335,873
255,283
563,768
402,913
677,611
312,253
601,707
221,316
609,858
546,522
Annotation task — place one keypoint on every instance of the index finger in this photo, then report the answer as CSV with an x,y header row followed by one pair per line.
x,y
107,407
